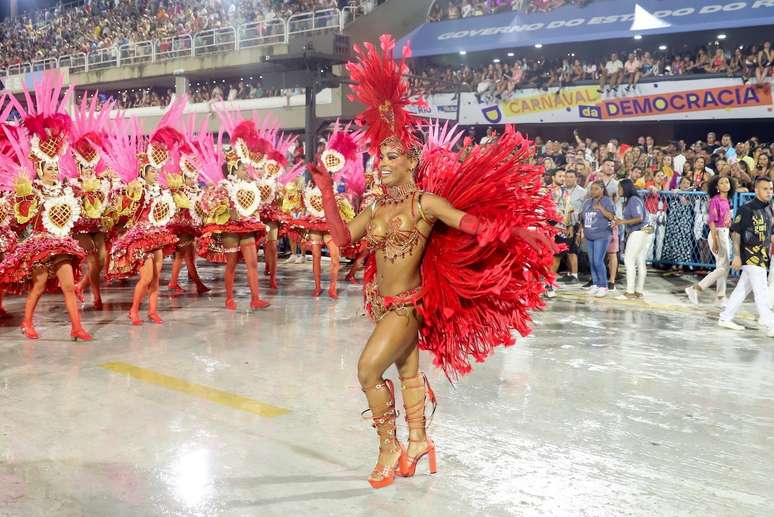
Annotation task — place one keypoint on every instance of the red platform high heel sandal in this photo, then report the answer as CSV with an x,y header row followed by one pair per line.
x,y
380,397
257,304
416,390
29,331
134,317
81,334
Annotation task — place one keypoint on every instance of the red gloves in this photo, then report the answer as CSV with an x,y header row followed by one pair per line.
x,y
336,227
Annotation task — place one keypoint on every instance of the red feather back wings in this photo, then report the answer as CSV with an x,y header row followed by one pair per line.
x,y
478,288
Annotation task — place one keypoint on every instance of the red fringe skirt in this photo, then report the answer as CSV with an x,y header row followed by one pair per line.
x,y
129,252
40,249
210,245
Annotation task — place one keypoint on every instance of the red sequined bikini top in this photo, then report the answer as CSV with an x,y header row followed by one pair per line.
x,y
397,242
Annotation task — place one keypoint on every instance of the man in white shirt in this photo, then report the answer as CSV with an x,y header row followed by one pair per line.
x,y
576,197
612,74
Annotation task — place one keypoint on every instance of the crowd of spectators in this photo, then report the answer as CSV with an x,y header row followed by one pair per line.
x,y
678,165
203,91
673,184
216,91
138,97
455,9
103,24
615,73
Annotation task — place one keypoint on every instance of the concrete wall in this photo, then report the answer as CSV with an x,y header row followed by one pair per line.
x,y
127,76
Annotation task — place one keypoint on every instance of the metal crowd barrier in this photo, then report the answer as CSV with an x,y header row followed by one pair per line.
x,y
681,230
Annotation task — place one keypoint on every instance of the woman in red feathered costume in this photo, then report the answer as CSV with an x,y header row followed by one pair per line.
x,y
151,208
45,209
461,249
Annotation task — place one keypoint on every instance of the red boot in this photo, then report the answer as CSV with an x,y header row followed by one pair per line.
x,y
317,268
334,271
270,256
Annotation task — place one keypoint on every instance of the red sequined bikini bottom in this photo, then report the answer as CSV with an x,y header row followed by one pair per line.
x,y
377,305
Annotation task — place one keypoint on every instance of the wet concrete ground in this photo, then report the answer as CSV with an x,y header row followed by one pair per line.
x,y
611,408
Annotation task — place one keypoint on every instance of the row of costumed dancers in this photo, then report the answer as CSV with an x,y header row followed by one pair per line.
x,y
88,197
459,236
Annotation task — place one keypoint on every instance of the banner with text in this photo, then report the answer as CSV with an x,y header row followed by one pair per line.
x,y
598,20
666,100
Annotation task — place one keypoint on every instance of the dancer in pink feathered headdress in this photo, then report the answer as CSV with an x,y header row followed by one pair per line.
x,y
146,204
343,160
44,208
230,204
273,168
184,186
84,166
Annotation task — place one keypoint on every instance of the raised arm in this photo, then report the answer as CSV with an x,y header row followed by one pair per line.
x,y
438,208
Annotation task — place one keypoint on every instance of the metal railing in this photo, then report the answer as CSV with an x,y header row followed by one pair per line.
x,y
313,21
173,47
214,40
75,62
40,65
19,68
136,53
102,59
259,34
225,39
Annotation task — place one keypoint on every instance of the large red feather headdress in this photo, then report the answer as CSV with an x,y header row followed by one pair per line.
x,y
381,85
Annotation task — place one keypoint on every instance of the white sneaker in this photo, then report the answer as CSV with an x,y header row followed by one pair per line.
x,y
550,292
601,292
593,290
693,295
728,324
290,260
